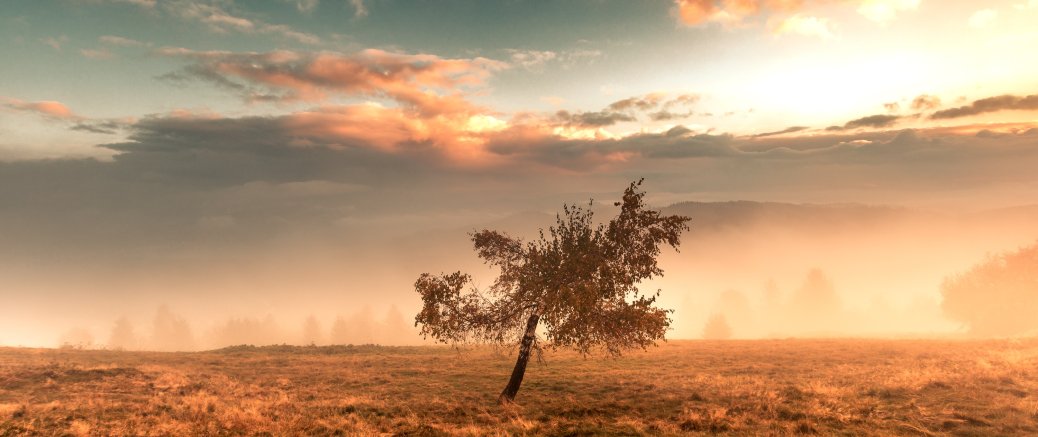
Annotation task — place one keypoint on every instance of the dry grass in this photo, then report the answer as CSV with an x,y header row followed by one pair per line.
x,y
782,387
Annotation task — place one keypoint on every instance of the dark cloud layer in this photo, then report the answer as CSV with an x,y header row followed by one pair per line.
x,y
872,121
592,119
787,130
990,104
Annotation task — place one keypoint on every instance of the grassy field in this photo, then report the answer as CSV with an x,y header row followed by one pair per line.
x,y
767,387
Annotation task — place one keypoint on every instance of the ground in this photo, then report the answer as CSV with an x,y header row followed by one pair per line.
x,y
765,387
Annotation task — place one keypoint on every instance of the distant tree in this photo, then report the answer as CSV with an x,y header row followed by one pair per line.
x,y
77,338
122,336
362,326
395,329
735,307
340,333
579,280
312,331
717,328
247,330
771,296
171,332
771,309
815,307
998,297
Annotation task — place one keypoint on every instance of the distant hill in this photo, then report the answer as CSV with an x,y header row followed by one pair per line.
x,y
715,216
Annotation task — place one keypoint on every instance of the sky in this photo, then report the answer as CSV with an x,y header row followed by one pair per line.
x,y
234,159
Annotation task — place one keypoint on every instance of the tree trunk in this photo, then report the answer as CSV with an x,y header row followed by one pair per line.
x,y
508,394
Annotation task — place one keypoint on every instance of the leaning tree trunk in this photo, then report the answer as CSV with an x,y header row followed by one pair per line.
x,y
508,394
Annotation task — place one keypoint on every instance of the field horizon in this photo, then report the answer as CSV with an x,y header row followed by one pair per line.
x,y
728,387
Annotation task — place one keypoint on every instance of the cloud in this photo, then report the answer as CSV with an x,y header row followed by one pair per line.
x,y
102,54
641,103
982,18
805,25
592,119
531,60
107,127
59,112
306,6
990,104
220,20
1027,5
696,12
536,60
119,41
925,102
872,121
734,13
553,100
359,9
590,155
657,106
55,42
426,83
652,101
885,11
787,130
729,12
148,4
665,115
48,108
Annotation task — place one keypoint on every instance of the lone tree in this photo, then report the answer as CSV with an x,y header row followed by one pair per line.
x,y
579,280
998,297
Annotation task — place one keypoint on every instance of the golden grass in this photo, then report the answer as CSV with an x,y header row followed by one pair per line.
x,y
766,387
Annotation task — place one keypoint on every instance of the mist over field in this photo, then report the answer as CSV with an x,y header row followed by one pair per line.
x,y
771,270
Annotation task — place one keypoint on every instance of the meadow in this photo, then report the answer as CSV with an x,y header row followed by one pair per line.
x,y
752,387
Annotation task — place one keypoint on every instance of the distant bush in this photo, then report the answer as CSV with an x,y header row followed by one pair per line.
x,y
998,297
717,328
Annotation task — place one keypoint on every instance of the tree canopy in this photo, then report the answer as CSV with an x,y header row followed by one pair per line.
x,y
578,279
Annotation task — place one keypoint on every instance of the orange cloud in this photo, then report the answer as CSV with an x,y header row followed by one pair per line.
x,y
733,12
697,12
47,108
429,84
460,138
366,125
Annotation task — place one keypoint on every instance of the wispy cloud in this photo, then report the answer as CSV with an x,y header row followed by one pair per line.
x,y
805,25
55,42
982,18
100,54
305,6
59,112
656,106
359,9
885,11
218,17
119,41
925,102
